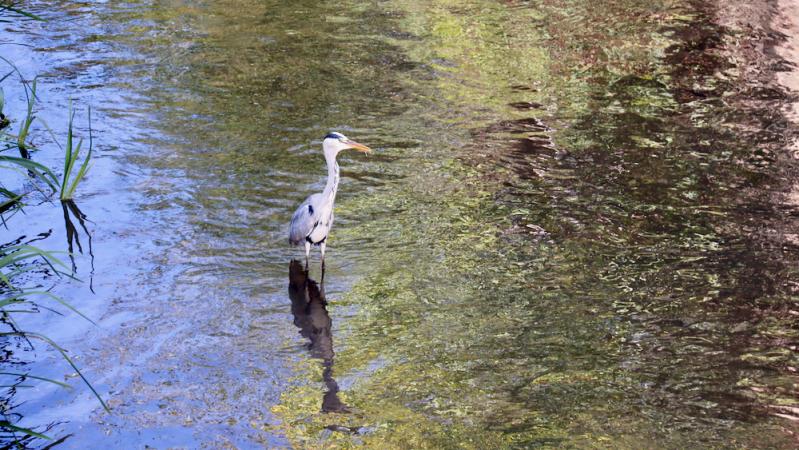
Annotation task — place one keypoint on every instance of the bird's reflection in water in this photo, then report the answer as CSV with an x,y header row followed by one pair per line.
x,y
309,308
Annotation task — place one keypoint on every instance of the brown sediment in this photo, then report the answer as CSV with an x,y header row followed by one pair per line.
x,y
786,21
766,51
767,33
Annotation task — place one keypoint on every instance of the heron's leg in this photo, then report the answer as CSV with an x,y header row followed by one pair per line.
x,y
307,253
322,248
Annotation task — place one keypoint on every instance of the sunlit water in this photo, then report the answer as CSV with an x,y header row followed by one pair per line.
x,y
572,232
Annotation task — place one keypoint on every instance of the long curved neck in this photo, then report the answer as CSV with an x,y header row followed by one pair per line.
x,y
332,177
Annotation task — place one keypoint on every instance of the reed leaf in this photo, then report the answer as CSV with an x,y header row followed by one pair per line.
x,y
71,156
18,253
12,202
58,299
40,171
29,118
34,377
30,334
10,426
12,7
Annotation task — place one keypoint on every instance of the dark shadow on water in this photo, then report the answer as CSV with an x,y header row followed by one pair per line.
x,y
73,236
309,308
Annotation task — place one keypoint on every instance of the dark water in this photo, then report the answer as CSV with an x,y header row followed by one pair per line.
x,y
576,230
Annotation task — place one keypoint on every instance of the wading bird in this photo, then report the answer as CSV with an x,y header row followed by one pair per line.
x,y
312,221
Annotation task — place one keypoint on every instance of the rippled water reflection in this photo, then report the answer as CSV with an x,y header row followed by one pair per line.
x,y
572,232
309,308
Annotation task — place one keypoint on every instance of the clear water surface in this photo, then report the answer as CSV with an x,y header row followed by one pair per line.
x,y
573,232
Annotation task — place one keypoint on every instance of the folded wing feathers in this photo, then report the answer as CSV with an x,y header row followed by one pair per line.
x,y
303,222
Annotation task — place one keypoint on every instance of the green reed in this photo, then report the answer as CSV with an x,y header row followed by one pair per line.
x,y
72,156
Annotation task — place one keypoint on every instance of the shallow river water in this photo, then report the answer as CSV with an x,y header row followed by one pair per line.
x,y
577,229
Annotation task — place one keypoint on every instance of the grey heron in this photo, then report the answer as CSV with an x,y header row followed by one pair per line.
x,y
312,221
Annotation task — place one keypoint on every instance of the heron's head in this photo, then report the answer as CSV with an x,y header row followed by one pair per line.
x,y
336,142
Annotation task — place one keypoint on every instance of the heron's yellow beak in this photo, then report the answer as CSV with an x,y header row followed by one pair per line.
x,y
357,146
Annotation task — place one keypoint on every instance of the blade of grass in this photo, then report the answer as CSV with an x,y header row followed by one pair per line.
x,y
52,134
29,334
7,424
41,171
29,117
62,302
21,298
10,203
69,160
18,253
27,375
10,301
12,7
71,155
4,79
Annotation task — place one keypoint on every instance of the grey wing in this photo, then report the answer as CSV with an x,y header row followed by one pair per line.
x,y
303,221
